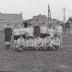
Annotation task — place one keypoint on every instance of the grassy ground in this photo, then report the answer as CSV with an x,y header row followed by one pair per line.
x,y
37,61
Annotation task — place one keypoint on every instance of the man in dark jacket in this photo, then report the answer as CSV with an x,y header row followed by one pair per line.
x,y
8,34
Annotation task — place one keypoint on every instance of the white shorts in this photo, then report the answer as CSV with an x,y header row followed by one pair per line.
x,y
7,43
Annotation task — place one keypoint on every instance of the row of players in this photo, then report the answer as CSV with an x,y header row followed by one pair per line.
x,y
38,42
53,36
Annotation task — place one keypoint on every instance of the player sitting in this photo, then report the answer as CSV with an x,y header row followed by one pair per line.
x,y
20,43
55,42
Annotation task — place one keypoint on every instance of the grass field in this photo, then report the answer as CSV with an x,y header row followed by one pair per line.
x,y
37,61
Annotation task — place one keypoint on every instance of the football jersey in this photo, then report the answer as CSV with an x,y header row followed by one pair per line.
x,y
46,41
39,41
20,42
30,31
8,31
43,29
16,32
29,42
21,31
51,32
59,29
55,41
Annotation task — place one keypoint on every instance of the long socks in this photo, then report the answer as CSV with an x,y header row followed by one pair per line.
x,y
8,47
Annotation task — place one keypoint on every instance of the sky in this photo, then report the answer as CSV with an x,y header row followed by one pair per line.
x,y
30,8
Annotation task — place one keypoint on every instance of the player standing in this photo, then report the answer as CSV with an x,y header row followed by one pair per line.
x,y
59,32
8,34
51,31
16,34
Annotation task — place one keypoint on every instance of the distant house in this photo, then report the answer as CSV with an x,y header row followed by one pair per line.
x,y
11,19
41,20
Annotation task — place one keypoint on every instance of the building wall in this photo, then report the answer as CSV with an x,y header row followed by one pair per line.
x,y
3,24
43,20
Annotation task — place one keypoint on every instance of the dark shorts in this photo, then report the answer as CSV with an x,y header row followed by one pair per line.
x,y
24,36
7,38
16,37
43,35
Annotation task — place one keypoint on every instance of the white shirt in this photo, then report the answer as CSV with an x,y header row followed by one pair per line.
x,y
30,31
59,29
43,29
51,32
29,42
22,31
15,31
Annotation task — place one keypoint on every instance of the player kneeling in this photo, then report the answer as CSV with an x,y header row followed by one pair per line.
x,y
38,43
47,42
20,44
29,43
55,42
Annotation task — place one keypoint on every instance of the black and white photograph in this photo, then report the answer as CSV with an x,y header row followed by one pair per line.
x,y
35,36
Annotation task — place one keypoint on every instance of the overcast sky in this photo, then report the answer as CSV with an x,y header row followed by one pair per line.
x,y
30,8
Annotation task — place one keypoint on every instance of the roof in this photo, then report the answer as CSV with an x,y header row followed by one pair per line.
x,y
11,17
28,20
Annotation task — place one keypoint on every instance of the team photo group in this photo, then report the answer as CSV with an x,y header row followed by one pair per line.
x,y
33,37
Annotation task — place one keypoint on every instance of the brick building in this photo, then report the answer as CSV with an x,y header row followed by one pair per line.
x,y
41,20
11,19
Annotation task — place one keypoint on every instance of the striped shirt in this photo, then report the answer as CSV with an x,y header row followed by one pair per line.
x,y
46,41
55,41
20,42
38,42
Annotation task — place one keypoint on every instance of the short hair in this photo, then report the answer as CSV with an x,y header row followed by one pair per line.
x,y
8,24
29,37
50,25
55,35
48,34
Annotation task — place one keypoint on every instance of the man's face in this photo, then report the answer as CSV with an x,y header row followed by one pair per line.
x,y
8,26
50,27
21,37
